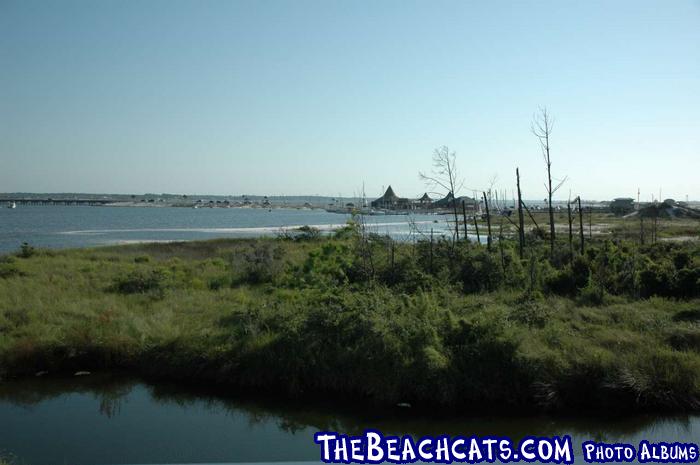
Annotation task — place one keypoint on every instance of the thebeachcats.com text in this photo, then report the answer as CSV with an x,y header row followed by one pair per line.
x,y
374,447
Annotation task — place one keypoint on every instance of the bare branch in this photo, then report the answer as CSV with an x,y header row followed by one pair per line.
x,y
444,175
561,183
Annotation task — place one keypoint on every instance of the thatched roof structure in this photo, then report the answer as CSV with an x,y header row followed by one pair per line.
x,y
389,199
448,200
389,195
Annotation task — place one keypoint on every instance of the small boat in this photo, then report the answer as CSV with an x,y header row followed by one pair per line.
x,y
12,205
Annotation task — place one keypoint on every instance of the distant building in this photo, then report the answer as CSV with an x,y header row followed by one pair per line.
x,y
425,201
448,201
391,201
622,205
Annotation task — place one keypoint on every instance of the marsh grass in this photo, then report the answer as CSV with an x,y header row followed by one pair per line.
x,y
302,317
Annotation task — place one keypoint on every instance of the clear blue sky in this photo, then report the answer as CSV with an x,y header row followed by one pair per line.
x,y
315,97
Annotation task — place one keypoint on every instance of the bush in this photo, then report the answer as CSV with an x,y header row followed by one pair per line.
x,y
406,275
687,283
261,263
26,250
218,282
570,280
681,259
531,312
332,265
656,280
592,295
480,271
561,283
307,233
141,282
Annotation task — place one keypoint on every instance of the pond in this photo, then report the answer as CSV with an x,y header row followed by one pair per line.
x,y
109,419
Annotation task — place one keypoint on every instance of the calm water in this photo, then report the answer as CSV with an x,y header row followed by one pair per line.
x,y
72,226
106,420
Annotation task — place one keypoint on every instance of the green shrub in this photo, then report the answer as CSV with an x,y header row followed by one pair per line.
x,y
686,283
26,250
261,263
406,275
592,295
307,233
141,282
568,281
656,280
329,266
531,312
682,259
480,271
219,282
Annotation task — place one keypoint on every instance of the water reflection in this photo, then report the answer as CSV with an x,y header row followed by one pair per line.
x,y
129,421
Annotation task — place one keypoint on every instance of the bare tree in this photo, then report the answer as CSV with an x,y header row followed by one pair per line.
x,y
542,124
444,176
521,220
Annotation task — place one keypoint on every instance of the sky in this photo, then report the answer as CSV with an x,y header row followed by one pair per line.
x,y
322,97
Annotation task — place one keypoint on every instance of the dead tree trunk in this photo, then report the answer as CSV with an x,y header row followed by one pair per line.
x,y
521,220
476,226
551,210
542,129
488,222
500,247
454,209
580,222
464,216
571,229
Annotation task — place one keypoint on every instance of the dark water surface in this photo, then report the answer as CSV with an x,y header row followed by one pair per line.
x,y
83,226
112,420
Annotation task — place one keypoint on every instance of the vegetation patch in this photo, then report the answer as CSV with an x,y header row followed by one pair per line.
x,y
435,323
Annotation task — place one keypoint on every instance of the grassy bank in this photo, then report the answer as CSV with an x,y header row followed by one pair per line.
x,y
356,316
